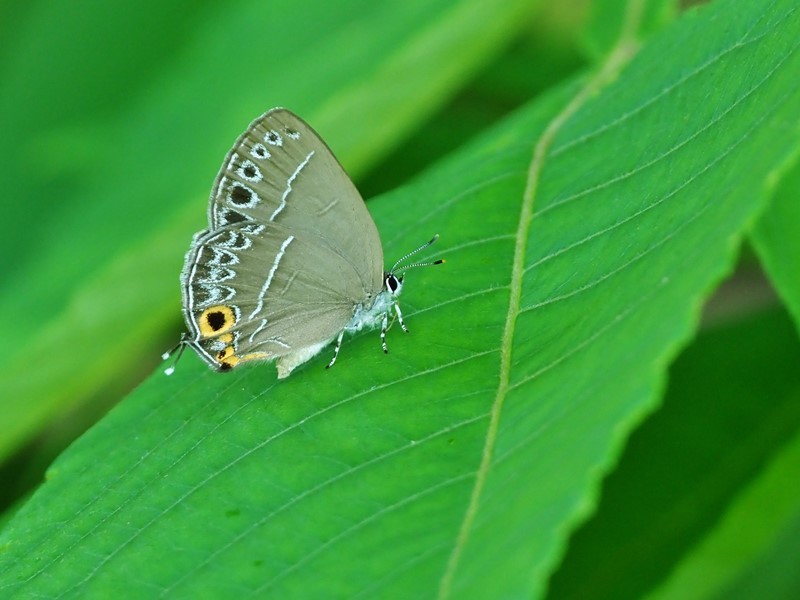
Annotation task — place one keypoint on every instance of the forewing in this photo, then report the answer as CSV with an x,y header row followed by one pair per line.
x,y
280,171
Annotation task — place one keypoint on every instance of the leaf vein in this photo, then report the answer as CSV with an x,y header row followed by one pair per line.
x,y
618,57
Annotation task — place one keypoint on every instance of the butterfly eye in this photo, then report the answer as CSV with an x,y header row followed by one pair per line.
x,y
392,283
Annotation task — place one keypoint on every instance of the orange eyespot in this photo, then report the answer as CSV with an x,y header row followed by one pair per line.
x,y
228,363
216,320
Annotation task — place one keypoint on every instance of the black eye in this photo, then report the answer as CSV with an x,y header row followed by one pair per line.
x,y
392,283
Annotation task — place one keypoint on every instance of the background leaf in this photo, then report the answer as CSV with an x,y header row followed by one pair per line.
x,y
776,238
730,409
751,552
608,21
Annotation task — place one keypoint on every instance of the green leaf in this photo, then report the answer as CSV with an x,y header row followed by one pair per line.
x,y
458,464
752,552
551,42
776,238
731,407
108,187
608,20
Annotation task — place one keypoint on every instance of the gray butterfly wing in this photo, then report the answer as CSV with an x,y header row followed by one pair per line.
x,y
290,251
260,291
280,171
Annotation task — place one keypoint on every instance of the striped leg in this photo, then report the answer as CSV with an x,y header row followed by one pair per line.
x,y
384,326
336,350
400,316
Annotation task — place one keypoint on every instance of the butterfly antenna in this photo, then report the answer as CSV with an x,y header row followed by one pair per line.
x,y
413,252
180,347
421,264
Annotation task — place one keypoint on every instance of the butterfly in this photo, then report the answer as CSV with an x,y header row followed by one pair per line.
x,y
291,259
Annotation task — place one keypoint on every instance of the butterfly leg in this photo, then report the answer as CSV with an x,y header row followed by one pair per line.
x,y
384,327
336,350
400,316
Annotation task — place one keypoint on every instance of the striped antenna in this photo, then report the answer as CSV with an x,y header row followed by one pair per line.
x,y
412,253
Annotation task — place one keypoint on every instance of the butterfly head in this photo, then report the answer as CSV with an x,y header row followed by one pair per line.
x,y
393,283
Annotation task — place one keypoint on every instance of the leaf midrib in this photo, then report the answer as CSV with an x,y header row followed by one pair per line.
x,y
621,54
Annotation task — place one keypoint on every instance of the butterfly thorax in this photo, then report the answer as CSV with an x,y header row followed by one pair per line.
x,y
372,314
